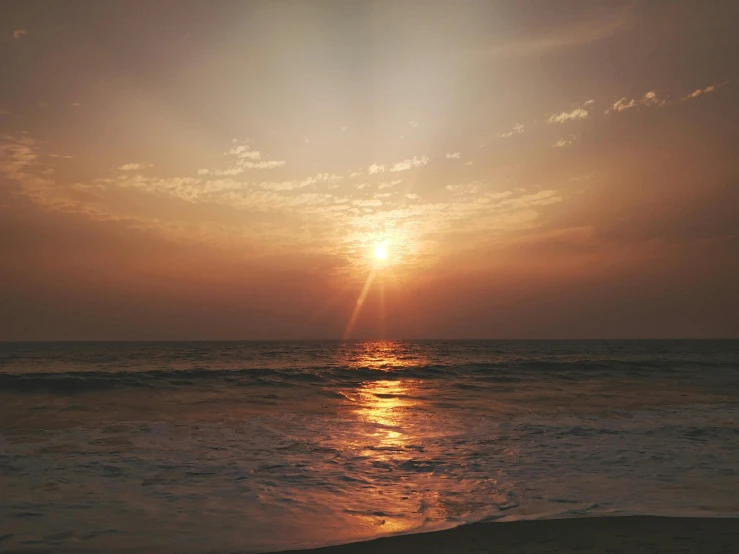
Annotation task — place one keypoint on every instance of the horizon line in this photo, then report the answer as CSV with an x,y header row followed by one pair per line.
x,y
478,339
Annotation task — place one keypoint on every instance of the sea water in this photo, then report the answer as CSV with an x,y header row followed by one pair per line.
x,y
260,446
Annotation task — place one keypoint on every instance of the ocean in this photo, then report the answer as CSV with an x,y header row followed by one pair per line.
x,y
201,447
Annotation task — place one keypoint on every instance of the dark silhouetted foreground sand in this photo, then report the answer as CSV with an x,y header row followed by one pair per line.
x,y
643,535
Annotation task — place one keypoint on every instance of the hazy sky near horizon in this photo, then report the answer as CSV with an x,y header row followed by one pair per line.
x,y
225,169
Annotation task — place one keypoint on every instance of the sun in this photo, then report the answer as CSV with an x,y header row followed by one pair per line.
x,y
380,252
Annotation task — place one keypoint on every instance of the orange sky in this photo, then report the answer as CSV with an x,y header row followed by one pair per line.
x,y
225,170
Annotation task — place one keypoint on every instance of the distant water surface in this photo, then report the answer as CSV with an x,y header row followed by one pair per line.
x,y
259,446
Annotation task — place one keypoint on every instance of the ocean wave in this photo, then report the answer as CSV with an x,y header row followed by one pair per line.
x,y
468,375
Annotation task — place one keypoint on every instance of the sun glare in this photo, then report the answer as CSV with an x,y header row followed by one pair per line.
x,y
380,252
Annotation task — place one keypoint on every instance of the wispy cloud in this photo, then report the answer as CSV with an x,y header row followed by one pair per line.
x,y
221,172
517,129
405,165
244,151
17,153
472,187
698,92
561,143
650,99
389,184
348,216
262,164
561,37
246,158
574,115
541,198
452,155
298,184
61,156
375,168
134,166
19,33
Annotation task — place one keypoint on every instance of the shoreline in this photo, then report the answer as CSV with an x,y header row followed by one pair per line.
x,y
614,534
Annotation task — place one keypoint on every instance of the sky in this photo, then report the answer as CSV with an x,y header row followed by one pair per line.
x,y
180,170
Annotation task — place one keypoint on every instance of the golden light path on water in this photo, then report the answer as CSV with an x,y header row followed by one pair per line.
x,y
383,408
393,431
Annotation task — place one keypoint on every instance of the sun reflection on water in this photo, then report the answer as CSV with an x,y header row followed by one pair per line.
x,y
385,405
387,428
383,355
387,409
401,451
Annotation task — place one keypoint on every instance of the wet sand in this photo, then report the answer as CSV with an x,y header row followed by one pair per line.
x,y
610,535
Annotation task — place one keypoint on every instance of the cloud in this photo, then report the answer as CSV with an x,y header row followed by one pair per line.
x,y
367,203
576,32
405,165
251,159
452,155
221,172
134,166
243,151
517,129
574,115
467,188
297,184
375,168
17,153
650,99
19,33
4,112
263,164
246,158
346,217
19,162
185,188
61,156
541,198
561,143
699,92
389,184
413,124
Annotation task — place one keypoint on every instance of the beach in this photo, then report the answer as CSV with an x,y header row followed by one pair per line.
x,y
632,534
